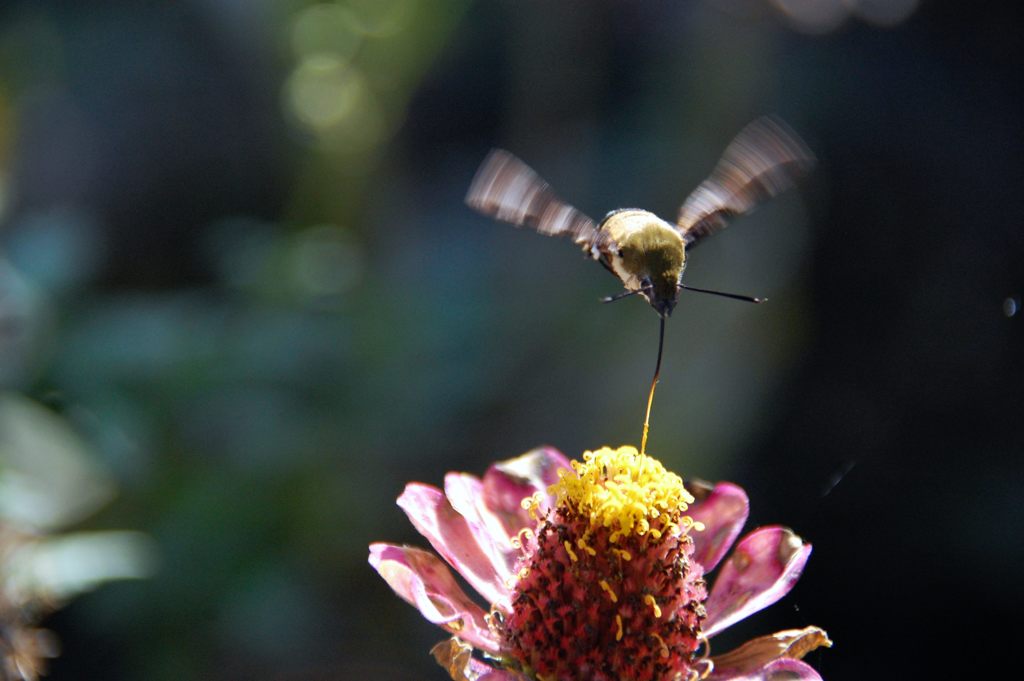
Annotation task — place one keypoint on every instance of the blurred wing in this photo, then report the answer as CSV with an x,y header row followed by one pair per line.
x,y
763,160
507,189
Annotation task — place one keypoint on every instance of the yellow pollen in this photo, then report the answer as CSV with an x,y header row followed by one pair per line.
x,y
649,599
691,524
582,544
456,625
706,649
568,549
523,573
706,667
623,554
524,534
618,623
625,491
532,504
661,644
611,593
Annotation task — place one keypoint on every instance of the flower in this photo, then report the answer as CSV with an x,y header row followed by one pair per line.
x,y
593,571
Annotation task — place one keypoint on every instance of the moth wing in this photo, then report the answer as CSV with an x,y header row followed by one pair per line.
x,y
507,189
763,160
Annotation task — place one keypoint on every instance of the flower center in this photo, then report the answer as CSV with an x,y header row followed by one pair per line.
x,y
608,591
627,492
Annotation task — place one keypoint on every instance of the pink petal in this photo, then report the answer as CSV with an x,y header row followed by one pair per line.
x,y
762,569
723,510
449,533
777,670
507,483
423,580
790,670
465,493
772,657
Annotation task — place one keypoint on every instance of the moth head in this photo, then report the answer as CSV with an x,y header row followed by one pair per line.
x,y
661,291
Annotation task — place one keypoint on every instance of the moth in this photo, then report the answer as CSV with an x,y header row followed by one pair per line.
x,y
647,253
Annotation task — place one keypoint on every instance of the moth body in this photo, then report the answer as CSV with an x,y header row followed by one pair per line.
x,y
650,256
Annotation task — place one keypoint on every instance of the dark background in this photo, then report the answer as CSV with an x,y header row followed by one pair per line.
x,y
244,275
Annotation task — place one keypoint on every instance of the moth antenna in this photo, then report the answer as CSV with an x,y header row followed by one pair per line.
x,y
654,384
734,296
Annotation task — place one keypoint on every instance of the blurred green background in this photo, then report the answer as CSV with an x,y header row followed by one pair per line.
x,y
236,263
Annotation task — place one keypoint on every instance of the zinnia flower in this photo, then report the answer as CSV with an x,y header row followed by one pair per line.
x,y
593,571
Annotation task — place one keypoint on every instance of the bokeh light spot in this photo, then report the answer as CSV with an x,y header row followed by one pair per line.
x,y
823,16
323,91
325,28
813,16
381,18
